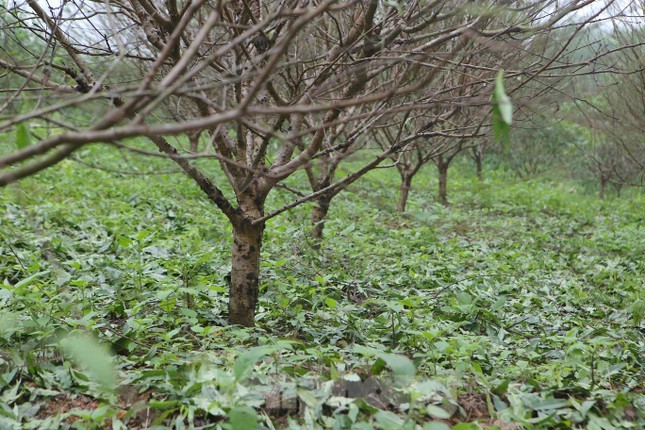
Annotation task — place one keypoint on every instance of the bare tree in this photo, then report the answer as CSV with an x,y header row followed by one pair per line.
x,y
477,153
618,155
273,86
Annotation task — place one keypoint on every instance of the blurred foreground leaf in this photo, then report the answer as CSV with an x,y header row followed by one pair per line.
x,y
93,357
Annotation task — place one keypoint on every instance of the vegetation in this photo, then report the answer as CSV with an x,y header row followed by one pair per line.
x,y
277,87
220,214
520,306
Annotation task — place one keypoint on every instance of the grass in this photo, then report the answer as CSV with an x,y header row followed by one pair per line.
x,y
520,306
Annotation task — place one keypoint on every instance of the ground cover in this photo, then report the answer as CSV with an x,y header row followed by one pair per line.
x,y
519,306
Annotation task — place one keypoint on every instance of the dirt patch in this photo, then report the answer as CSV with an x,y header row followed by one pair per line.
x,y
61,404
475,406
132,408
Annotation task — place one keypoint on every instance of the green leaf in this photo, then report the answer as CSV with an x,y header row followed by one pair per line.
x,y
548,404
501,130
88,353
437,412
188,312
163,404
502,100
23,135
502,387
350,228
307,397
9,325
245,362
466,426
400,365
436,425
499,303
502,112
243,418
394,306
388,420
29,279
365,351
441,345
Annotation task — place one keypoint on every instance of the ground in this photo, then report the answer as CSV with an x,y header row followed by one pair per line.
x,y
519,306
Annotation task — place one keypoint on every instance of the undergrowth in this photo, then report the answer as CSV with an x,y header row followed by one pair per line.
x,y
519,306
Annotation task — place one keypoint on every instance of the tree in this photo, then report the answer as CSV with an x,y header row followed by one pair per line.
x,y
477,153
438,140
605,161
618,155
271,85
411,159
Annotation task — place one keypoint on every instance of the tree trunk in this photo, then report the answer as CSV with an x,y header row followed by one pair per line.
x,y
318,215
479,167
406,182
443,184
603,187
245,273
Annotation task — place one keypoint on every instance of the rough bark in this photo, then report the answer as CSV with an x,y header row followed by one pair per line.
x,y
245,273
245,254
406,182
443,184
318,215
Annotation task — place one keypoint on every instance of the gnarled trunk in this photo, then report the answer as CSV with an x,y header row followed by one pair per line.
x,y
318,214
443,184
406,182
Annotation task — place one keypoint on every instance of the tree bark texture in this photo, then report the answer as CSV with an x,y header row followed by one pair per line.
x,y
318,214
443,184
406,182
245,273
245,254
